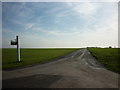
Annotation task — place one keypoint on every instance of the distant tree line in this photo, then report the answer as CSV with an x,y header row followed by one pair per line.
x,y
100,47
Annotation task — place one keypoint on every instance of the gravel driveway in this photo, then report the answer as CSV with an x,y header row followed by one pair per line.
x,y
76,70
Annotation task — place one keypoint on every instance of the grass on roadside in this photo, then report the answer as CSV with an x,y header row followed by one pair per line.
x,y
31,56
108,57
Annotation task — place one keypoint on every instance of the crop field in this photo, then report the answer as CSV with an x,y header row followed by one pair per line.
x,y
31,56
108,57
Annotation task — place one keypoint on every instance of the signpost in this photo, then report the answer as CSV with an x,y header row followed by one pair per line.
x,y
17,42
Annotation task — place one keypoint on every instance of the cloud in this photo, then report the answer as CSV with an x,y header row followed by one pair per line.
x,y
73,25
62,14
23,11
56,32
86,9
60,1
29,26
102,35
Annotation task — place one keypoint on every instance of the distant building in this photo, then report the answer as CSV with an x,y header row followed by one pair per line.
x,y
110,46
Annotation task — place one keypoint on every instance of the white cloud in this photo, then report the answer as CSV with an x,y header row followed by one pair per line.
x,y
84,9
50,32
35,40
61,1
29,26
102,33
57,32
102,36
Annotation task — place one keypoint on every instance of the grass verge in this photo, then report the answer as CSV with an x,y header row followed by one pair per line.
x,y
108,57
31,56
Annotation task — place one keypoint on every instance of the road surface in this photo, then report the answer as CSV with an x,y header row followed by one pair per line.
x,y
76,70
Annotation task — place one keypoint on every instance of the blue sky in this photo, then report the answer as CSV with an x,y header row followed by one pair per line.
x,y
60,24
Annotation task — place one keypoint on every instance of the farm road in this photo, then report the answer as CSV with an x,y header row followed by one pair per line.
x,y
76,70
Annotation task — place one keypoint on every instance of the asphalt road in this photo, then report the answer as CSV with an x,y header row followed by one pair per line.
x,y
76,70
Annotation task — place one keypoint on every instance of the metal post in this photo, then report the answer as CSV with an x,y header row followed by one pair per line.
x,y
18,48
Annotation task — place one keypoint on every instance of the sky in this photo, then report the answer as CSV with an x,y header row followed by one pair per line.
x,y
60,24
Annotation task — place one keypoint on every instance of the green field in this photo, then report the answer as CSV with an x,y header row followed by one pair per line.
x,y
108,57
31,56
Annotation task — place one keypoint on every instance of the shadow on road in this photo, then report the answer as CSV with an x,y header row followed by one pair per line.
x,y
34,81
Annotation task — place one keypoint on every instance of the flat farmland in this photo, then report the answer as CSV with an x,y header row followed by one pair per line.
x,y
32,56
76,70
108,57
